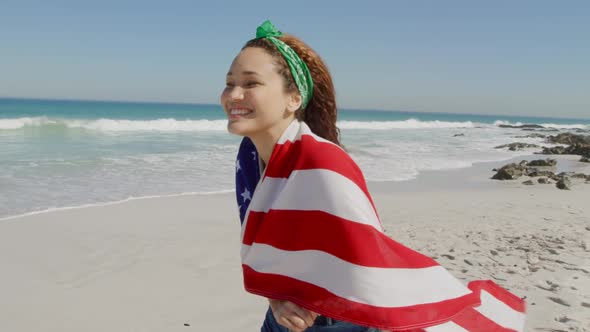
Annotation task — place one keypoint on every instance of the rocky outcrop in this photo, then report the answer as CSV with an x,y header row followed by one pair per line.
x,y
542,163
516,146
569,139
524,126
511,171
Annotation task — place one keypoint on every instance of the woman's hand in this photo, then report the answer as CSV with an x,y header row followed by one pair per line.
x,y
291,315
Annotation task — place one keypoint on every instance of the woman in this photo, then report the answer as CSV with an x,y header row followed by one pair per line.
x,y
261,100
312,242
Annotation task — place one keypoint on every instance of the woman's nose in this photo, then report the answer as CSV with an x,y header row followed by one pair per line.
x,y
236,93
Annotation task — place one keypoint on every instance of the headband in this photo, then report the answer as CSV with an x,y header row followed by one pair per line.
x,y
299,69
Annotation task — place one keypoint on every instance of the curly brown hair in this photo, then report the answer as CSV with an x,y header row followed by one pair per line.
x,y
321,113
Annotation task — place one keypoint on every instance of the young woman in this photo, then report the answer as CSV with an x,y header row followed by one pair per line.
x,y
312,242
261,100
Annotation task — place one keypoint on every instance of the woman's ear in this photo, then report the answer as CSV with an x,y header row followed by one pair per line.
x,y
294,102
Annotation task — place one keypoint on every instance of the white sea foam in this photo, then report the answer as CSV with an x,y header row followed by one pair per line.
x,y
546,125
17,123
115,125
407,124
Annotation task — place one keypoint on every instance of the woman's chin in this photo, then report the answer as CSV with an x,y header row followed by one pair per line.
x,y
237,128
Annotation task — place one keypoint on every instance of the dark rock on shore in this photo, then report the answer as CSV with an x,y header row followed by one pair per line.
x,y
569,138
458,135
542,162
575,149
516,146
528,126
585,159
564,183
533,135
510,172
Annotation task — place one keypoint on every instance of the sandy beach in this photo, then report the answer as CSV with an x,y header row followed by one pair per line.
x,y
172,263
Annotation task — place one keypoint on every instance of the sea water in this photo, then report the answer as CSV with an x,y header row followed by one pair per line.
x,y
58,153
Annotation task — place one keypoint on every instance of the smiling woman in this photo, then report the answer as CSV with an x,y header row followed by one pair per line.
x,y
311,241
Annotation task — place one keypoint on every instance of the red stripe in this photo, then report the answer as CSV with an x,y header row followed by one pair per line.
x,y
308,153
353,242
323,302
498,292
474,321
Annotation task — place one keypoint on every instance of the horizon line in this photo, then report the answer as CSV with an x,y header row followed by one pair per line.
x,y
217,104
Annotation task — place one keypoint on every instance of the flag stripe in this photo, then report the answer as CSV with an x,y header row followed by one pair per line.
x,y
316,189
372,286
317,230
499,312
473,321
322,301
509,299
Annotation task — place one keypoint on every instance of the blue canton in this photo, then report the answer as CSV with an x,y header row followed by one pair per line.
x,y
247,175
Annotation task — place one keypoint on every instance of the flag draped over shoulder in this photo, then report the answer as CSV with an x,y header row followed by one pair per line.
x,y
311,235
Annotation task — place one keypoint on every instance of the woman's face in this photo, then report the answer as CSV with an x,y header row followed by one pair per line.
x,y
254,98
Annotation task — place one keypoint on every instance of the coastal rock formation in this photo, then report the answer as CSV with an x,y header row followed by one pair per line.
x,y
542,162
569,139
516,146
524,126
564,183
510,172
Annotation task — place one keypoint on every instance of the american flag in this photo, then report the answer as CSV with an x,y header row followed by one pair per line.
x,y
311,235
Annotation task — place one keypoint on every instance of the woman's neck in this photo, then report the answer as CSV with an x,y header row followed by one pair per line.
x,y
265,142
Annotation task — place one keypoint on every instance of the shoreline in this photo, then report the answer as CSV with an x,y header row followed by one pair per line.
x,y
425,180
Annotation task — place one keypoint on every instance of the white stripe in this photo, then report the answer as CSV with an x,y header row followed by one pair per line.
x,y
446,327
316,190
500,312
292,133
382,287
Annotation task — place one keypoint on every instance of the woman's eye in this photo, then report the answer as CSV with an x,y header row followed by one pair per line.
x,y
229,84
251,84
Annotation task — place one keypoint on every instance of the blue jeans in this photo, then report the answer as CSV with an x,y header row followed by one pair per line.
x,y
271,325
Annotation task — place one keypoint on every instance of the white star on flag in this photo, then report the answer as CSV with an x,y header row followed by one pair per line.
x,y
238,168
246,195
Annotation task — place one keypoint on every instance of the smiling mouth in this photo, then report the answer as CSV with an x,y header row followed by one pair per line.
x,y
237,112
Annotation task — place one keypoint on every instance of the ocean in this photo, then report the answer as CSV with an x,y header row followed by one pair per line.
x,y
58,153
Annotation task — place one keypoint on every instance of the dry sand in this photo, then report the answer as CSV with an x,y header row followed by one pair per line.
x,y
157,264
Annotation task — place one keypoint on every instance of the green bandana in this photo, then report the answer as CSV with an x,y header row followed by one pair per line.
x,y
299,69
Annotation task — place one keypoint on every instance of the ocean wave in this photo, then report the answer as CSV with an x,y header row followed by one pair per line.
x,y
545,125
406,124
115,125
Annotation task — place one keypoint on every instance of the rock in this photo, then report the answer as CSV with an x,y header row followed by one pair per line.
x,y
578,176
577,149
528,182
448,256
569,138
564,184
543,180
510,172
527,126
533,135
517,146
458,135
543,162
495,253
586,305
187,324
534,173
585,159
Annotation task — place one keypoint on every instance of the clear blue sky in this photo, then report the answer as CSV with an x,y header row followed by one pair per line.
x,y
493,57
